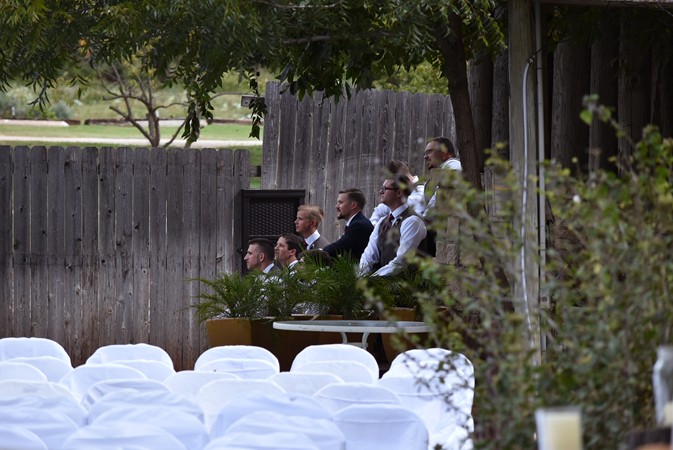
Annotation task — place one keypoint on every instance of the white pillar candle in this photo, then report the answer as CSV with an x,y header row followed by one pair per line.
x,y
559,428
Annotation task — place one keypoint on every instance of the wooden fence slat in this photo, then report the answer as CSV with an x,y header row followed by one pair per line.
x,y
272,124
21,245
286,141
335,147
372,158
302,167
83,305
174,256
123,206
319,149
141,245
402,126
57,275
158,246
190,218
241,167
6,260
107,269
353,138
39,271
226,250
209,228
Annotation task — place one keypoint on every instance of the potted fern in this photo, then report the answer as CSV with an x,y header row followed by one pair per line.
x,y
228,306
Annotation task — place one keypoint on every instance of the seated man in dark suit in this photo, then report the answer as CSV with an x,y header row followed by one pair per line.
x,y
358,228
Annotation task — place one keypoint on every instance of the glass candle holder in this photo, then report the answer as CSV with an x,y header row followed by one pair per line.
x,y
559,428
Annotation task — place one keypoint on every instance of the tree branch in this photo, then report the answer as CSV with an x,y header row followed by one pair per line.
x,y
133,122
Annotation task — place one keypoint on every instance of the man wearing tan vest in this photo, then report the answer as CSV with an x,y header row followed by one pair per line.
x,y
395,237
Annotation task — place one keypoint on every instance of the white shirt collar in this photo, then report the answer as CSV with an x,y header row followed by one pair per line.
x,y
268,268
312,238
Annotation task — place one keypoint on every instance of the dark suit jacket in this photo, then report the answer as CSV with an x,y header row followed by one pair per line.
x,y
354,240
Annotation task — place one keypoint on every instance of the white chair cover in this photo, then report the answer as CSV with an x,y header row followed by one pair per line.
x,y
322,432
125,352
83,377
236,351
127,436
51,426
421,362
338,396
336,352
215,395
16,347
349,371
270,441
390,427
10,370
153,370
189,382
126,400
54,368
18,438
64,404
257,369
187,428
18,388
102,388
304,383
417,397
284,404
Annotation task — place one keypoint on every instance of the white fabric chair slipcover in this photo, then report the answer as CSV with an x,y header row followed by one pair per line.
x,y
126,400
338,396
187,428
153,370
257,369
417,397
64,404
18,438
424,362
16,347
284,404
323,432
390,427
54,368
53,427
125,352
349,371
83,377
236,351
18,388
102,388
215,395
10,370
336,352
271,441
126,435
189,382
304,383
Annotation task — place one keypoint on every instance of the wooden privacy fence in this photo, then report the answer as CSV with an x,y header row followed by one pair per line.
x,y
98,246
325,146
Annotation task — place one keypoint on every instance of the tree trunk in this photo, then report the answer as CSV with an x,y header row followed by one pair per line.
x,y
453,54
603,81
634,86
569,135
500,108
480,79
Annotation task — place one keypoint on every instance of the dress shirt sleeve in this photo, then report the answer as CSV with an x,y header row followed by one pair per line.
x,y
371,254
412,232
379,212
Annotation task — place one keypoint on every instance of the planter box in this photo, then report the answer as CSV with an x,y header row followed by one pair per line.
x,y
229,331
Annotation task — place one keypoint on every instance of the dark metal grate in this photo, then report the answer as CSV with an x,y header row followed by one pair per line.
x,y
271,217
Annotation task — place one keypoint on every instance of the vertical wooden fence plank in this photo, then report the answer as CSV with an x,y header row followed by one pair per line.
x,y
174,256
226,209
386,120
39,274
323,193
402,126
241,180
123,213
107,270
353,147
141,245
6,241
272,124
157,221
56,244
449,120
190,218
335,147
209,214
21,241
83,307
419,130
302,167
286,141
371,155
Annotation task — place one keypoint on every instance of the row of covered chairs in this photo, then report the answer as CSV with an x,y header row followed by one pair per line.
x,y
235,397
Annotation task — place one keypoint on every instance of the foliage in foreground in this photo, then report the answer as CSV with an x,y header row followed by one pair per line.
x,y
609,274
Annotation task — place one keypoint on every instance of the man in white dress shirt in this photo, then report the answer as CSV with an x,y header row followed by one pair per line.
x,y
288,250
395,237
416,198
440,154
309,218
260,256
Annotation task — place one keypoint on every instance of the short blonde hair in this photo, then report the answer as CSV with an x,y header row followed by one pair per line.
x,y
313,212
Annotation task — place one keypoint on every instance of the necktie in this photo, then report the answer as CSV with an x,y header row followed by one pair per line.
x,y
385,226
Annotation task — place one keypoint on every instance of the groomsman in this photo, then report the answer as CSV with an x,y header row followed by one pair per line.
x,y
358,228
309,218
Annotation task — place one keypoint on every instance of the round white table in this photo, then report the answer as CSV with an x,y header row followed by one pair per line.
x,y
352,326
